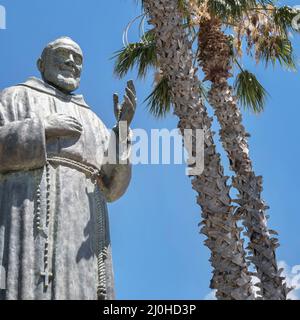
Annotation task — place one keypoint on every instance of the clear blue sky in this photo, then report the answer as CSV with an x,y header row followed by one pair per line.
x,y
157,251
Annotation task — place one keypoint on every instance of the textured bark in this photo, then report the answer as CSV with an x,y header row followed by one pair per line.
x,y
214,57
230,274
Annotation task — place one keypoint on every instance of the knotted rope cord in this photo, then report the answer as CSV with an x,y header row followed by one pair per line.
x,y
93,173
89,170
44,230
102,247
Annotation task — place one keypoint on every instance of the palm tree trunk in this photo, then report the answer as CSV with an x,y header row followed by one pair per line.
x,y
231,278
215,60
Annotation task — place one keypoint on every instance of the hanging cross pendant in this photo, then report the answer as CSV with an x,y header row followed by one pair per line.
x,y
47,278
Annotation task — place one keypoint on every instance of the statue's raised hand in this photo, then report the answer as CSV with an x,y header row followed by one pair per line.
x,y
126,110
57,125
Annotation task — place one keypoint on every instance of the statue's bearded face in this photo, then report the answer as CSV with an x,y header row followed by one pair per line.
x,y
61,66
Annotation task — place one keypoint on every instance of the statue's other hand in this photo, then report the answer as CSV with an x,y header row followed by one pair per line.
x,y
57,125
126,111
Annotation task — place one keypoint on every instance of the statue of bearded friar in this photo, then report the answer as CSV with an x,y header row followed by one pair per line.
x,y
55,184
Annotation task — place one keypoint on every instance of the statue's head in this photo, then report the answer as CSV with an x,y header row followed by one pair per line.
x,y
61,63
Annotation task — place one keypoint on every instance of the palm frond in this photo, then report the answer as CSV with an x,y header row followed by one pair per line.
x,y
276,48
141,54
159,101
284,16
250,92
232,9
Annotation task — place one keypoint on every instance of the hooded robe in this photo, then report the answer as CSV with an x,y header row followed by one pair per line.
x,y
54,231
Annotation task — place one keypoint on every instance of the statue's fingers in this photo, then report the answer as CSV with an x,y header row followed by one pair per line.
x,y
75,126
73,129
130,110
72,119
130,95
77,131
128,102
131,86
75,121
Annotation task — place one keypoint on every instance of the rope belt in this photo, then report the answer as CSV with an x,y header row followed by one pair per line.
x,y
92,173
88,170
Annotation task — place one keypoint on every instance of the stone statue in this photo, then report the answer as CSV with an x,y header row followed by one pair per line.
x,y
54,184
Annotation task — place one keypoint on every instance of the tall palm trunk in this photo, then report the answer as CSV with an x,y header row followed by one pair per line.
x,y
230,274
215,59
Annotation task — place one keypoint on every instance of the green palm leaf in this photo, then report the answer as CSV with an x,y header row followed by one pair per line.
x,y
250,92
283,18
141,54
159,101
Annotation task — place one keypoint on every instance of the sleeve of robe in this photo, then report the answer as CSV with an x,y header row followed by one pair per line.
x,y
116,177
22,135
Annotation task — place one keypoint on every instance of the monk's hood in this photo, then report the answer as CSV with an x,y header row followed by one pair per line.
x,y
41,86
